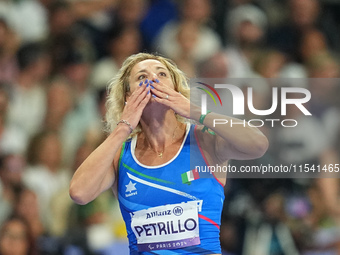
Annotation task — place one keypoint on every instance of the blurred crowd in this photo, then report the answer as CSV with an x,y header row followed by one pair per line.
x,y
56,59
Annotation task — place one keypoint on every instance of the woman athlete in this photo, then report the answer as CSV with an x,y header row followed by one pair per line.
x,y
149,160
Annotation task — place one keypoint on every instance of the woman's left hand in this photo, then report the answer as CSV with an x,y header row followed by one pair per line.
x,y
171,98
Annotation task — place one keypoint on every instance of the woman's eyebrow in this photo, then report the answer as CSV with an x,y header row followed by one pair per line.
x,y
157,68
142,71
160,67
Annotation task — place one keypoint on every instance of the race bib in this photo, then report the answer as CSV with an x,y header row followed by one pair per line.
x,y
170,226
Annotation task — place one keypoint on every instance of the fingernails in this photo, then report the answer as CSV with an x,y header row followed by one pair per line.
x,y
151,82
146,81
157,80
153,95
151,87
140,84
148,85
148,92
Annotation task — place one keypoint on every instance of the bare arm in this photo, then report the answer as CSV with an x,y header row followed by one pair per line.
x,y
98,172
233,141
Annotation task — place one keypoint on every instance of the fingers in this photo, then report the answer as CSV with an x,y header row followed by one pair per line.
x,y
156,86
158,94
171,98
163,92
163,101
142,87
139,94
145,100
144,96
136,104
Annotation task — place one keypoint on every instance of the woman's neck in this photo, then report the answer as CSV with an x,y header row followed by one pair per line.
x,y
160,131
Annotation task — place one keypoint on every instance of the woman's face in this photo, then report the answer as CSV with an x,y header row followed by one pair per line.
x,y
14,239
149,69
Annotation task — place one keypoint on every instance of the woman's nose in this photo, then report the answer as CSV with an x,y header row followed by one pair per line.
x,y
153,77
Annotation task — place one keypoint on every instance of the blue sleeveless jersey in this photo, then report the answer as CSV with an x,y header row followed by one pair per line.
x,y
171,188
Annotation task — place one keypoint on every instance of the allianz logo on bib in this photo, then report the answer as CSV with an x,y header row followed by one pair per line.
x,y
158,213
178,210
131,189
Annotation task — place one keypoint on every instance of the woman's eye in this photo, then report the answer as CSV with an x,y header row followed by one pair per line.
x,y
141,77
162,74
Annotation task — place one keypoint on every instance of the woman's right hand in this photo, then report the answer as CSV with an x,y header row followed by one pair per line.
x,y
98,172
136,103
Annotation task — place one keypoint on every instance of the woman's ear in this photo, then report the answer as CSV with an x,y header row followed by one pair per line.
x,y
127,92
127,95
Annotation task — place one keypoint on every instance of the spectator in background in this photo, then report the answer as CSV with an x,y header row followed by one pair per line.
x,y
28,103
89,9
157,15
130,12
58,118
84,115
268,234
12,139
66,35
16,237
246,26
320,61
194,14
27,207
77,68
27,18
9,42
313,42
303,16
187,38
60,112
11,171
60,102
123,41
320,228
61,18
269,63
44,159
214,67
228,236
302,144
89,20
323,65
325,101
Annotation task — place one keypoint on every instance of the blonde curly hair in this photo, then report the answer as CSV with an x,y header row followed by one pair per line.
x,y
119,87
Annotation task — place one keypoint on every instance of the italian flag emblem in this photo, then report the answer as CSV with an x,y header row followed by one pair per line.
x,y
189,176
